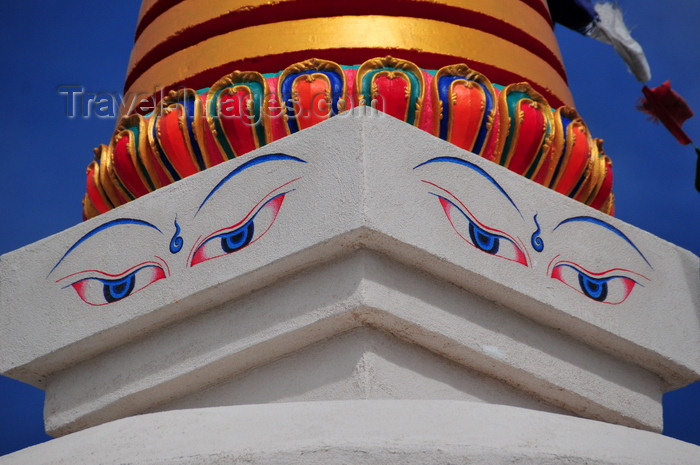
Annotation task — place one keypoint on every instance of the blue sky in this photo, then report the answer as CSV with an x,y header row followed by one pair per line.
x,y
52,43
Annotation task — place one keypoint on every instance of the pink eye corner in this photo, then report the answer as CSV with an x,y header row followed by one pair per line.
x,y
234,238
97,288
607,287
489,240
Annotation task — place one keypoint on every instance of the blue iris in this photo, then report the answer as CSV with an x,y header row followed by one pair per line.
x,y
482,240
118,289
236,240
596,289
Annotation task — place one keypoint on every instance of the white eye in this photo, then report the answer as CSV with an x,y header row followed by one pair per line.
x,y
604,287
107,289
489,240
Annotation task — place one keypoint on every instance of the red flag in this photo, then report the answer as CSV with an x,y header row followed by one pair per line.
x,y
665,105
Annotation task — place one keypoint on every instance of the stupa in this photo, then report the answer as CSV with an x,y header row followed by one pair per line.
x,y
350,233
206,83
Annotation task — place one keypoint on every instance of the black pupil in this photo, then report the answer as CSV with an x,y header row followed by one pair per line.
x,y
238,239
595,290
117,291
486,242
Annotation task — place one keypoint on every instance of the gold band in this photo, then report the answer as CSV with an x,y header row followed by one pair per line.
x,y
373,32
190,13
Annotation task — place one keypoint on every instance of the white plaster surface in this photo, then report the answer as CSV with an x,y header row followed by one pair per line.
x,y
304,282
373,432
364,363
362,290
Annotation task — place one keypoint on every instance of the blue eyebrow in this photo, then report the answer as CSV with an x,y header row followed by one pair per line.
x,y
246,165
608,226
476,168
117,222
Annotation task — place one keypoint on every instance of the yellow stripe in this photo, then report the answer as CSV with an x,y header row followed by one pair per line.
x,y
356,32
192,12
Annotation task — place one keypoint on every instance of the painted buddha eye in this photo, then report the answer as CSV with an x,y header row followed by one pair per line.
x,y
606,287
239,236
97,288
489,240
